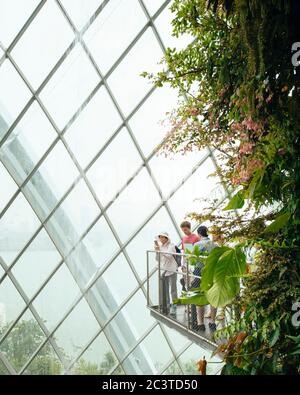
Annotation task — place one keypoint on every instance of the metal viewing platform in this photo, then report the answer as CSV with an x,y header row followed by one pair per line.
x,y
182,318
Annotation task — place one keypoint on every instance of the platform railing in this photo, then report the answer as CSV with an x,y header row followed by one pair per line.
x,y
180,317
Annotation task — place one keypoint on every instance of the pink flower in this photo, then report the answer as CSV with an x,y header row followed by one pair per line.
x,y
235,181
237,126
251,125
193,111
269,98
246,148
255,164
245,175
238,166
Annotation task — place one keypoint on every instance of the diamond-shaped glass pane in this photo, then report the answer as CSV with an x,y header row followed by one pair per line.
x,y
22,341
153,5
11,304
178,341
95,124
149,123
114,29
70,86
9,187
116,283
110,291
134,325
144,56
27,143
80,10
48,184
55,291
17,226
114,167
14,96
99,358
131,199
94,250
155,358
43,43
167,172
72,217
70,337
191,196
40,258
46,362
14,13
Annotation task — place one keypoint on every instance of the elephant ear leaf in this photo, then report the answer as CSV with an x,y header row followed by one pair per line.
x,y
236,202
221,294
278,223
225,287
199,299
208,272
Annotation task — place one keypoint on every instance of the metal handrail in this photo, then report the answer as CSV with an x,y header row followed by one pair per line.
x,y
178,253
186,274
186,326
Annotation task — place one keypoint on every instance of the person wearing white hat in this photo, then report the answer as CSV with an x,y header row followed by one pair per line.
x,y
168,276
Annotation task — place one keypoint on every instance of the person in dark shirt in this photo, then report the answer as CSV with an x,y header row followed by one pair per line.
x,y
205,245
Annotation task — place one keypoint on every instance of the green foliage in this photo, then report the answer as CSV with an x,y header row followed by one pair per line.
x,y
240,96
223,268
236,202
195,255
220,276
296,340
209,268
84,367
279,223
195,296
22,342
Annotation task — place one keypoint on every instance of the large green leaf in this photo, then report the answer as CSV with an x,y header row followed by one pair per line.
x,y
222,276
278,223
275,336
197,299
221,294
231,263
236,202
208,272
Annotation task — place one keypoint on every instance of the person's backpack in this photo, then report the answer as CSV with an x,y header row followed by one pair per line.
x,y
177,257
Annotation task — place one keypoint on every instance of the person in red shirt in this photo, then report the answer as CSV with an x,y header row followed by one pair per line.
x,y
189,237
188,240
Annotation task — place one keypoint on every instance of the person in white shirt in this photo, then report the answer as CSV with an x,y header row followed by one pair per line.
x,y
168,271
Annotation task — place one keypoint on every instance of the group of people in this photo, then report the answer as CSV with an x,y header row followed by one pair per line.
x,y
172,262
